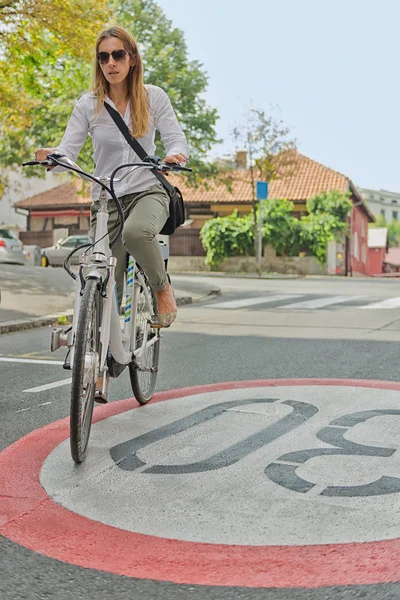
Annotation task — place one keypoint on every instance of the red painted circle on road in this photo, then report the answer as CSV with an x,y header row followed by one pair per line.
x,y
29,517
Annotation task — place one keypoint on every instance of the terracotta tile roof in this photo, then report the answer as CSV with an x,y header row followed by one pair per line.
x,y
307,179
59,196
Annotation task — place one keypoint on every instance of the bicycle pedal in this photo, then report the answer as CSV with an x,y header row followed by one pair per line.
x,y
100,398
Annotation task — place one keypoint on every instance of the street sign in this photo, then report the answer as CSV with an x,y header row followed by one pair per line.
x,y
262,190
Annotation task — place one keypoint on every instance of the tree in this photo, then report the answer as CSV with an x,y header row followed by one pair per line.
x,y
53,71
271,150
33,35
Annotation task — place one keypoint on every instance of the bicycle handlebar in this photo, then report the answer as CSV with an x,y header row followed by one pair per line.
x,y
53,161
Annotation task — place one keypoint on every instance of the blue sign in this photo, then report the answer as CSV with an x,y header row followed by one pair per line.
x,y
262,190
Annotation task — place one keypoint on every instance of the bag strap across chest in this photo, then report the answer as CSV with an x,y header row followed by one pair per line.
x,y
134,144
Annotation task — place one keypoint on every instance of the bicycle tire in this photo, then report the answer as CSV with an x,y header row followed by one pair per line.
x,y
85,370
144,382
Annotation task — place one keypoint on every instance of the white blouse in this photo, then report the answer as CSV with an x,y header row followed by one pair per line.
x,y
110,149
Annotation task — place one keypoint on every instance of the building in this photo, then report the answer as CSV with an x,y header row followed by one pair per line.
x,y
382,203
17,188
377,248
68,206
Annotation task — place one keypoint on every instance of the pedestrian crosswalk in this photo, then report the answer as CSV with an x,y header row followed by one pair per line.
x,y
306,302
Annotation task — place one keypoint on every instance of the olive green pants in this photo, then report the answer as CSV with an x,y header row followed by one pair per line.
x,y
145,214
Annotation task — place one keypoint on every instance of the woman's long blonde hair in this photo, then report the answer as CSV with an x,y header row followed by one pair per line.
x,y
136,92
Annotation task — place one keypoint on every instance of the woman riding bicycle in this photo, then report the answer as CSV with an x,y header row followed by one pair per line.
x,y
118,79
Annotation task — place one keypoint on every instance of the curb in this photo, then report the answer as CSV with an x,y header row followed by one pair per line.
x,y
24,324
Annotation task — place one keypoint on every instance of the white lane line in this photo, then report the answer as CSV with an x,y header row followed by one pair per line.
x,y
388,303
252,301
44,404
320,302
32,361
23,409
49,386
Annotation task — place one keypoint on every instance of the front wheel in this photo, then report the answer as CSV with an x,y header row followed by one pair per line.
x,y
143,372
85,370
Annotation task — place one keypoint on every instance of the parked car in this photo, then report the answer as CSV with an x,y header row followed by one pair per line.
x,y
11,248
54,256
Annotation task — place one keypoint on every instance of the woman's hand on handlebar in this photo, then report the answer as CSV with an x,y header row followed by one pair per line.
x,y
177,159
42,154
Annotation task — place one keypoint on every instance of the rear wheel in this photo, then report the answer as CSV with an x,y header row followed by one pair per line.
x,y
85,370
143,372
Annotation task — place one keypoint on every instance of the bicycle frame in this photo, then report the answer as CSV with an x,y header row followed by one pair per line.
x,y
101,265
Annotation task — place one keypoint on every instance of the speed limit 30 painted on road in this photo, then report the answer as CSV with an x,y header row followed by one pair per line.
x,y
283,483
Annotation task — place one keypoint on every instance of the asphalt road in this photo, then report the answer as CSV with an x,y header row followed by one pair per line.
x,y
257,338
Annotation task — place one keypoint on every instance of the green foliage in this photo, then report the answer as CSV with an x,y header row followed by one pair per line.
x,y
234,235
227,236
326,221
280,228
43,79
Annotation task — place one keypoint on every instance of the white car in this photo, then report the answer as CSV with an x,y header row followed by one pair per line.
x,y
11,248
54,256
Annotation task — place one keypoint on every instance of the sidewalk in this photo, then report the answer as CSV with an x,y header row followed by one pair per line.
x,y
37,296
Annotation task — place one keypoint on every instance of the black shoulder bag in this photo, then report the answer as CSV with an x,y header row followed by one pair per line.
x,y
176,204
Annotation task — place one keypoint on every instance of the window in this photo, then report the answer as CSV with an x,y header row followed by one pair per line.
x,y
364,254
7,234
394,201
355,246
69,242
395,215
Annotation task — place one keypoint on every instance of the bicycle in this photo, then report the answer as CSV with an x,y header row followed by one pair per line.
x,y
97,346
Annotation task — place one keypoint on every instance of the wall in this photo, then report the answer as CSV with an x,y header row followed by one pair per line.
x,y
248,264
376,256
359,242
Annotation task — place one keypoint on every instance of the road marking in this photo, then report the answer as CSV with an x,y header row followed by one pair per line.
x,y
320,302
388,303
49,386
252,301
37,521
32,361
23,409
44,404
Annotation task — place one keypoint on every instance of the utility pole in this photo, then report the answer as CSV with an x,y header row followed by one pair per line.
x,y
262,194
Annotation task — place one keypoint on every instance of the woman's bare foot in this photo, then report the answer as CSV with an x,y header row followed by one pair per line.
x,y
166,307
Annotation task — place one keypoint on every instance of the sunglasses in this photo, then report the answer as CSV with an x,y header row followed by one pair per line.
x,y
104,57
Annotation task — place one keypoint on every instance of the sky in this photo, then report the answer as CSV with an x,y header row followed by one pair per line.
x,y
329,67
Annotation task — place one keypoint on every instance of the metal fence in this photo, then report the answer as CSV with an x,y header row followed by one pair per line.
x,y
186,242
36,238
